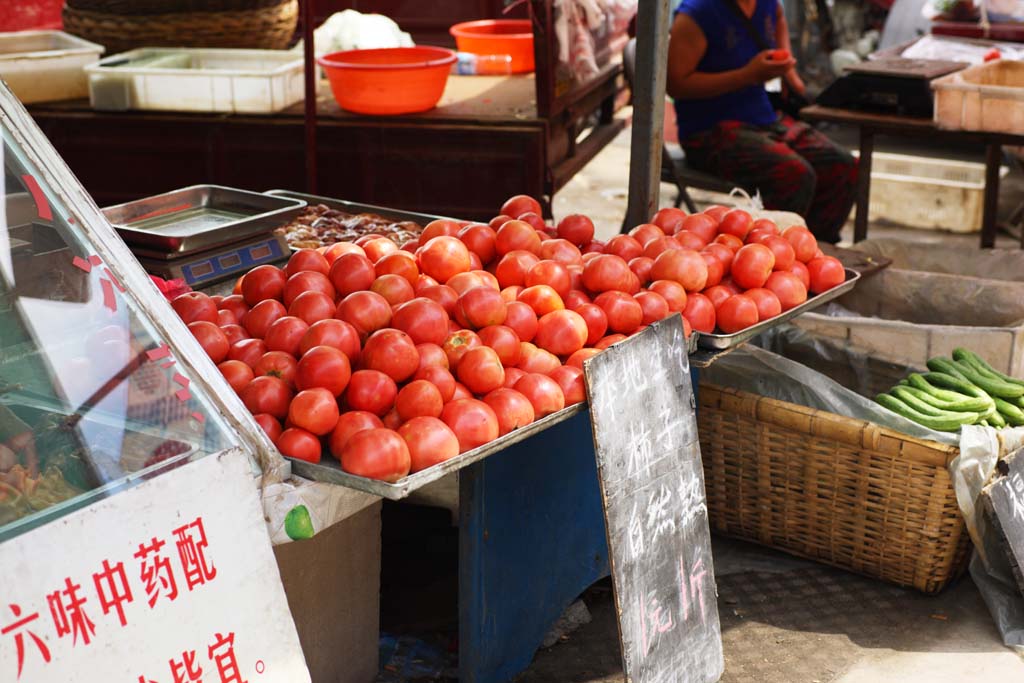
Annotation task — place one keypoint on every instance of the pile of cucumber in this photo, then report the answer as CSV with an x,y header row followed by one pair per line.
x,y
963,391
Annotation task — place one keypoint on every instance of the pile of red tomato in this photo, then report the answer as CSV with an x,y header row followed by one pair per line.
x,y
398,357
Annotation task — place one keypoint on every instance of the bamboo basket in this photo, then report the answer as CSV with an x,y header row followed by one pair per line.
x,y
844,492
167,6
268,27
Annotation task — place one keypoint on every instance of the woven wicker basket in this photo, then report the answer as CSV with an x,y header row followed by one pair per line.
x,y
167,6
267,27
840,491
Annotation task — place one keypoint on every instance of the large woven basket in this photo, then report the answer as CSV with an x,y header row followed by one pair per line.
x,y
826,487
258,25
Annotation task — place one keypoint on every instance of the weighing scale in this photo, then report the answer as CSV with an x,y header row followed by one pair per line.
x,y
894,86
205,233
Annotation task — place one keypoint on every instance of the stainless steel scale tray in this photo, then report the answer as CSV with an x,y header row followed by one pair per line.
x,y
725,341
199,218
356,207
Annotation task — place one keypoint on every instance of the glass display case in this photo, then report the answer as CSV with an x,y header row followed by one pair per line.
x,y
98,384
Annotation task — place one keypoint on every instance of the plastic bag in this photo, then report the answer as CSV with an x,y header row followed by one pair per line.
x,y
351,30
755,207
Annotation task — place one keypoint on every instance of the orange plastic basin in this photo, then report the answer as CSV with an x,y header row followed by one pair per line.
x,y
498,37
398,80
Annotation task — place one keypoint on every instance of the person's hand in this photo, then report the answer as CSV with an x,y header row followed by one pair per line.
x,y
762,68
792,82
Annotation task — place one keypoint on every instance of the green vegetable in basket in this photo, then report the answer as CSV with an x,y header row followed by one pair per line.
x,y
912,397
948,367
1011,413
947,399
973,359
994,387
958,384
950,422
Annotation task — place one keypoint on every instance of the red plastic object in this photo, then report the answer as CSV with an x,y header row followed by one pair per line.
x,y
498,37
24,15
399,80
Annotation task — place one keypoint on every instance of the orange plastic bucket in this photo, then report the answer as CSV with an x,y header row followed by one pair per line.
x,y
398,80
512,37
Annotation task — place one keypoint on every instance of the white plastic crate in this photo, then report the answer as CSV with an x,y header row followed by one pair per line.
x,y
983,97
197,79
44,66
926,193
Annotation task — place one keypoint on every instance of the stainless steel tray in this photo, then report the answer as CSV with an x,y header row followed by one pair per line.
x,y
329,471
199,217
725,341
356,207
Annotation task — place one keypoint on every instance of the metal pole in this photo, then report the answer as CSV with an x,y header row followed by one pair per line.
x,y
652,29
309,53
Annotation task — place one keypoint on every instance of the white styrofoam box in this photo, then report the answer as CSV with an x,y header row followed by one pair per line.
x,y
44,66
197,79
927,193
988,97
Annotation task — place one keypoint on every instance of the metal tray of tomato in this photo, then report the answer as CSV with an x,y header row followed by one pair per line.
x,y
329,471
725,341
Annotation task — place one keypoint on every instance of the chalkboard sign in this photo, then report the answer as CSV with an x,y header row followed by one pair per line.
x,y
1004,501
652,484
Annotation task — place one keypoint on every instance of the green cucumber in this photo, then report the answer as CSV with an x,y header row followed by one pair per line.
x,y
994,387
996,420
954,383
946,399
940,424
912,398
946,366
1012,414
984,423
978,362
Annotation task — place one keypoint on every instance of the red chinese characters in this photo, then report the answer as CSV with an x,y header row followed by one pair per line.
x,y
155,572
69,616
191,542
19,629
186,670
117,590
221,655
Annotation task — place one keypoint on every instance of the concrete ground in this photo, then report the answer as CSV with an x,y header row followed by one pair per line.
x,y
785,620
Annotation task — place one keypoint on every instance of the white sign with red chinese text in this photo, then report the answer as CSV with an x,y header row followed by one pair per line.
x,y
172,581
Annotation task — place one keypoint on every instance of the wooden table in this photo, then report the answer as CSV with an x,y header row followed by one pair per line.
x,y
871,124
484,142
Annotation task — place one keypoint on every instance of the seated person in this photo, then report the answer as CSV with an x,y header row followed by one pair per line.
x,y
727,126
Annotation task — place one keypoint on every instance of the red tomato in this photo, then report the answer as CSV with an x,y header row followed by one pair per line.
x,y
307,260
752,266
312,307
314,410
731,286
461,392
352,273
609,340
424,281
699,224
767,303
734,243
323,367
736,313
339,249
550,273
234,303
543,393
234,333
513,267
535,359
395,289
195,306
670,220
517,235
481,370
350,423
463,282
512,376
365,311
376,453
261,316
804,244
336,333
499,221
577,229
489,280
430,442
800,270
237,373
646,232
759,236
457,344
534,220
481,240
393,352
783,251
522,319
718,294
624,312
249,351
660,245
542,299
570,379
766,224
473,422
825,272
480,307
690,240
263,282
226,318
512,409
425,321
277,364
561,332
361,241
625,247
700,312
722,253
519,204
788,288
653,305
685,266
561,251
504,341
267,395
285,334
306,281
270,426
576,359
737,223
372,391
440,377
716,269
672,292
441,227
606,272
443,295
596,321
378,248
300,444
642,267
419,398
779,55
432,354
211,338
399,263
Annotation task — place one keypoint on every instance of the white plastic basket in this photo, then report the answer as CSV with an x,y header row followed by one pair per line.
x,y
197,79
927,193
43,66
986,97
